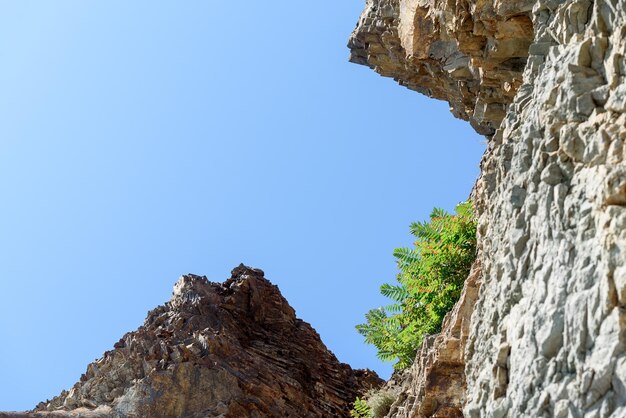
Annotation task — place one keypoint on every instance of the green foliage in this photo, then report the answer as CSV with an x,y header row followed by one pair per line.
x,y
361,409
375,404
430,278
380,403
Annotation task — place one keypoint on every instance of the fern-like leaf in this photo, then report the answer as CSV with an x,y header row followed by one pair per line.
x,y
430,280
393,292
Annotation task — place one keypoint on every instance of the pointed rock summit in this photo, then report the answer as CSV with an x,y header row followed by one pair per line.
x,y
233,349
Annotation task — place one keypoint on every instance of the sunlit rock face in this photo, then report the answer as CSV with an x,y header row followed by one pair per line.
x,y
232,349
469,53
548,331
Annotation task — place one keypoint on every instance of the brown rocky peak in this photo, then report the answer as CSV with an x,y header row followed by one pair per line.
x,y
232,349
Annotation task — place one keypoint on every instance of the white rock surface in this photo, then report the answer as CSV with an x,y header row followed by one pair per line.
x,y
548,333
553,218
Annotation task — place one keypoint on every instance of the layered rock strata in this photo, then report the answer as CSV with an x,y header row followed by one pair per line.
x,y
548,333
232,349
469,53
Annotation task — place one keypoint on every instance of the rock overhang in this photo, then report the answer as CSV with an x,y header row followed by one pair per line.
x,y
471,54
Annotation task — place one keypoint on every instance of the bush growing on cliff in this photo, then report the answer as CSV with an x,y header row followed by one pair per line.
x,y
430,280
375,404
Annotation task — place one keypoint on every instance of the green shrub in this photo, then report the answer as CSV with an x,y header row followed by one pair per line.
x,y
380,403
430,281
361,409
375,404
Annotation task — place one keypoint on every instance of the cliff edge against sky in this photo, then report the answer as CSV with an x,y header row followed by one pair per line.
x,y
540,330
545,81
232,349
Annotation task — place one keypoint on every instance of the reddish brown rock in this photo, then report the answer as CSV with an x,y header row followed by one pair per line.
x,y
435,385
232,349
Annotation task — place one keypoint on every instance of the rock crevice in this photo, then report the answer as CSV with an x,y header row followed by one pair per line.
x,y
434,386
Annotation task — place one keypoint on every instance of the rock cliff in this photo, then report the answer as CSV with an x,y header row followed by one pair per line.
x,y
232,349
470,53
545,81
434,386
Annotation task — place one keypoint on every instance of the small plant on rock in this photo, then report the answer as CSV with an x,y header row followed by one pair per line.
x,y
361,409
430,282
380,402
375,404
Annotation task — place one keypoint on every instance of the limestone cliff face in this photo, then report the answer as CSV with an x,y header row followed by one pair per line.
x,y
232,349
548,331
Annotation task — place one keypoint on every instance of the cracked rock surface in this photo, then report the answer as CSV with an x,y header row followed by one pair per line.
x,y
469,53
232,349
548,330
548,334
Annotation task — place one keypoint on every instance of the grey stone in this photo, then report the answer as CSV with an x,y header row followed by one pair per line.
x,y
617,99
552,174
551,195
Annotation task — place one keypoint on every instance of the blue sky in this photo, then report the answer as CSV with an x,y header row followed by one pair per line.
x,y
144,140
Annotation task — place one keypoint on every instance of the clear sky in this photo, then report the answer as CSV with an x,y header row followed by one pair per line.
x,y
142,140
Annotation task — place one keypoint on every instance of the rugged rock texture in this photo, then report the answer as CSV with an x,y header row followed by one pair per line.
x,y
216,350
470,53
435,385
548,333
